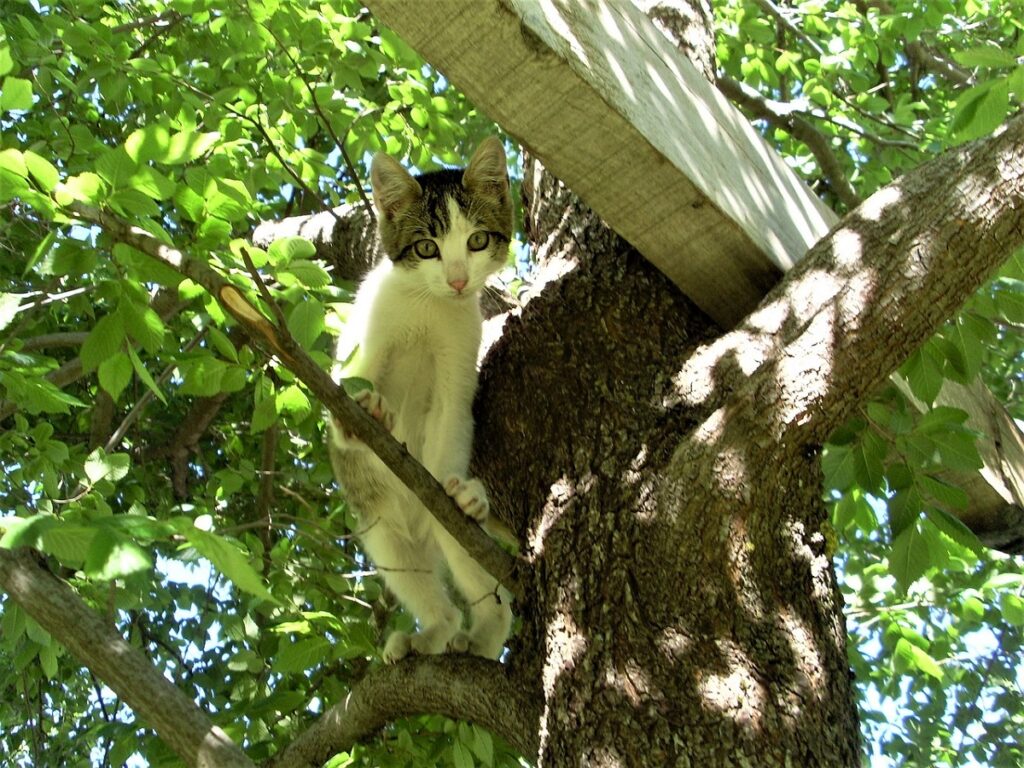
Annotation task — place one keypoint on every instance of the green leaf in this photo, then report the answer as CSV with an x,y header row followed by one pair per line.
x,y
292,399
48,660
113,556
264,414
143,374
228,559
105,340
986,112
152,183
68,542
306,273
306,322
115,373
482,746
143,324
116,168
461,756
910,656
985,56
283,250
42,170
1012,608
15,95
26,531
953,527
188,146
300,656
945,494
149,143
6,60
909,558
201,375
85,187
923,371
99,466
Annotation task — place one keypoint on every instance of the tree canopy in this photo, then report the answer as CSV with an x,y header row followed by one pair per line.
x,y
177,477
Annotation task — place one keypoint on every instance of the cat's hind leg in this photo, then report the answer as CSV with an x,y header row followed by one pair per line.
x,y
413,572
490,605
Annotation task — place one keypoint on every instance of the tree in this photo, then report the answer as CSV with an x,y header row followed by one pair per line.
x,y
679,601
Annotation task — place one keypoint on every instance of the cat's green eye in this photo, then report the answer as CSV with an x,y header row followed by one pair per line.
x,y
478,240
425,249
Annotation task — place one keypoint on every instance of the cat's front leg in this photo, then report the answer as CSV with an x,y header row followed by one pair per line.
x,y
371,401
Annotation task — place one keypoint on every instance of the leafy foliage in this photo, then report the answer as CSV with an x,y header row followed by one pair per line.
x,y
935,633
179,480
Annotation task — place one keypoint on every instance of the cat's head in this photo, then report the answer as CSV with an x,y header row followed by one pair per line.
x,y
446,230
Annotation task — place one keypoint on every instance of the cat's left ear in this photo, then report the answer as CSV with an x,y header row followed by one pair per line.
x,y
486,172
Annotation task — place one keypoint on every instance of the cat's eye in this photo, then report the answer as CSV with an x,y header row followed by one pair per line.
x,y
425,249
478,240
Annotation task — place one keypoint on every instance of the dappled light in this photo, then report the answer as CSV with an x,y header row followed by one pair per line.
x,y
736,693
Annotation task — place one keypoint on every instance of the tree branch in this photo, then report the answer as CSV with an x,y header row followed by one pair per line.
x,y
277,341
872,291
124,668
800,129
460,687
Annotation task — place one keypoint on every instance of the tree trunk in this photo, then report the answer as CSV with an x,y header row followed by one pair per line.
x,y
674,619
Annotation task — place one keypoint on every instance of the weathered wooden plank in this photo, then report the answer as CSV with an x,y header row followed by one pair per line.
x,y
612,109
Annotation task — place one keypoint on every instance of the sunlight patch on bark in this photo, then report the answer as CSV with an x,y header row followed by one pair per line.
x,y
736,693
695,382
560,496
847,249
804,373
875,206
673,644
631,681
739,548
809,665
564,645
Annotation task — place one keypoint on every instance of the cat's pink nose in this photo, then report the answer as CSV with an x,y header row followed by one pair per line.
x,y
458,285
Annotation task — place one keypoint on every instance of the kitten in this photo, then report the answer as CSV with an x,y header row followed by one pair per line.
x,y
417,323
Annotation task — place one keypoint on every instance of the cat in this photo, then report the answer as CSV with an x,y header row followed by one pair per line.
x,y
414,333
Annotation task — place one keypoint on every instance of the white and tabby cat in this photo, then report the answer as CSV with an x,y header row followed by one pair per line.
x,y
417,324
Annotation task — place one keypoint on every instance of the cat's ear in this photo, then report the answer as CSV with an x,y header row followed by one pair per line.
x,y
486,172
393,186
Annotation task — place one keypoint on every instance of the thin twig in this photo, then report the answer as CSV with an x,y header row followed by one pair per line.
x,y
147,396
349,165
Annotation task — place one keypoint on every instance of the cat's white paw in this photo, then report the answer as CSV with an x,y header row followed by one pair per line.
x,y
459,643
470,496
396,648
374,404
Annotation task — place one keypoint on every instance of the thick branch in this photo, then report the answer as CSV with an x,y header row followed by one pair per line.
x,y
280,343
61,612
875,289
460,687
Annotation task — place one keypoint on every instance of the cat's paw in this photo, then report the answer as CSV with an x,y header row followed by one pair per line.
x,y
459,643
396,648
374,404
470,496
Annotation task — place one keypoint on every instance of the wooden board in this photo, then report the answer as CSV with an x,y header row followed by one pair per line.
x,y
620,116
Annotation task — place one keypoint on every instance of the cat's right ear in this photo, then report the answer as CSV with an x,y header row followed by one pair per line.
x,y
393,186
